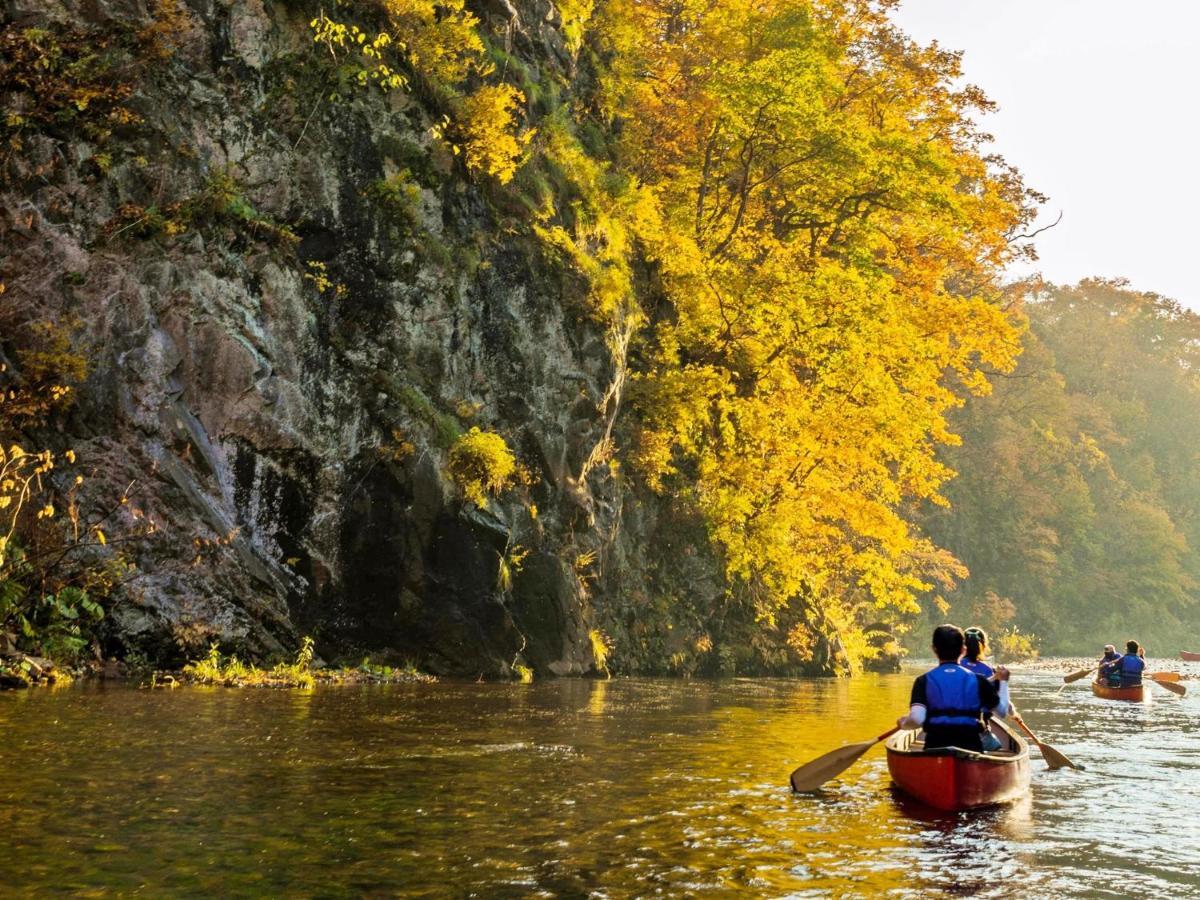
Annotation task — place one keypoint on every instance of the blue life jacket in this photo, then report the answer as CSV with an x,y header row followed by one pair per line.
x,y
978,666
952,696
1130,666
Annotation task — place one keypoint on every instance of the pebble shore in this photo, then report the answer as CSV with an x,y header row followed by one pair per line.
x,y
1062,665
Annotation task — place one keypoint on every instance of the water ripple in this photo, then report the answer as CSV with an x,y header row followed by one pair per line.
x,y
573,788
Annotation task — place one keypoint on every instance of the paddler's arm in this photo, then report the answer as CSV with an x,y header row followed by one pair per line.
x,y
1005,708
916,708
914,719
997,686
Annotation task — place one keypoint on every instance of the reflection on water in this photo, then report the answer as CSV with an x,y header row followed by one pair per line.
x,y
569,788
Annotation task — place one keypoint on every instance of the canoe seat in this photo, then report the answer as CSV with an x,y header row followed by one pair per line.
x,y
918,745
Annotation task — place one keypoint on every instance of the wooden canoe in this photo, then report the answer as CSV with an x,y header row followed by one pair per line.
x,y
953,779
1190,657
1134,694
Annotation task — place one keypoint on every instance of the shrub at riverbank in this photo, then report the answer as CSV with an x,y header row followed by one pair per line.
x,y
231,672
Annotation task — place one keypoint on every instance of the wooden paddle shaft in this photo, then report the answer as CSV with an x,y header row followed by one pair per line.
x,y
1055,759
1075,676
1033,737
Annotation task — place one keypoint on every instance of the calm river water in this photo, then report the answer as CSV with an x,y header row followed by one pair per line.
x,y
571,789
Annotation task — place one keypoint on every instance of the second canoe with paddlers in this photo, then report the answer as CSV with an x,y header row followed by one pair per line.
x,y
1189,657
953,779
1135,693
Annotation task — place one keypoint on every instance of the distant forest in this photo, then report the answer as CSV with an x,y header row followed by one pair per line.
x,y
1076,508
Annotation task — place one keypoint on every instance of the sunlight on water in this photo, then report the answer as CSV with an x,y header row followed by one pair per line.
x,y
571,788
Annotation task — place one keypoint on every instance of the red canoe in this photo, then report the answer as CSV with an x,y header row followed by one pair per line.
x,y
953,779
1190,657
1135,694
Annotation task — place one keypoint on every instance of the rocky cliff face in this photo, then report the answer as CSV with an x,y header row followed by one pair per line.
x,y
282,349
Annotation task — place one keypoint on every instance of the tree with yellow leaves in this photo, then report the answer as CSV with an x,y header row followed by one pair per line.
x,y
833,235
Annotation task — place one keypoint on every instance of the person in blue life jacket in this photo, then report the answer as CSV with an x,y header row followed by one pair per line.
x,y
972,661
949,701
1108,671
1130,666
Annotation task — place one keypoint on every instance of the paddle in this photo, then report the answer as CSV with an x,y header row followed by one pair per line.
x,y
812,775
1165,676
1054,759
1082,673
1170,686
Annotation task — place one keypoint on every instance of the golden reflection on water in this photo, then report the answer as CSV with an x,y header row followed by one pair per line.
x,y
596,697
566,788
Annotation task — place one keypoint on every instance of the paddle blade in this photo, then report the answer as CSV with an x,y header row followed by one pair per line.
x,y
812,775
1173,688
1164,676
1082,673
1055,759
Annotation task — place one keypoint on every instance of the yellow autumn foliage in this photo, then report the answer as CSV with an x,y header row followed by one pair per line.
x,y
440,39
481,464
830,233
440,43
487,122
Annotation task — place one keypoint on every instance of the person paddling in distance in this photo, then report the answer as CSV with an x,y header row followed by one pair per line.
x,y
1107,671
1130,666
949,701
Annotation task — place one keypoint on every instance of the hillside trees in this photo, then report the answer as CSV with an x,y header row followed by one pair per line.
x,y
832,236
1076,494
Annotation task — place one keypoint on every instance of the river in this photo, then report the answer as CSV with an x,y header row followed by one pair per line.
x,y
570,788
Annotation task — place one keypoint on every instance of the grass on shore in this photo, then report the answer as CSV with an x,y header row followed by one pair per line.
x,y
232,672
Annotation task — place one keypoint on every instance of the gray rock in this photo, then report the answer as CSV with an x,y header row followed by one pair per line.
x,y
256,420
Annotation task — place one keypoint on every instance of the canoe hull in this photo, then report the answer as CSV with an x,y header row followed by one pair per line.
x,y
1190,657
1134,694
954,779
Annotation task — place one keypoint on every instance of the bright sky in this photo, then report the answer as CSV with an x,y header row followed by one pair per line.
x,y
1099,110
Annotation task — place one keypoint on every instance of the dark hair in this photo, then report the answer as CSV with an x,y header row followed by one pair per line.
x,y
976,639
948,642
1131,647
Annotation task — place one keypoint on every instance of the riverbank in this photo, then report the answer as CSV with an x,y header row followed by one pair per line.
x,y
20,670
1067,664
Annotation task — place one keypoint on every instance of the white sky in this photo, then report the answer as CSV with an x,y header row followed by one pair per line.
x,y
1099,109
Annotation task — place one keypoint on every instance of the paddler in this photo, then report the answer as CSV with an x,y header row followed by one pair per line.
x,y
972,661
949,702
1107,672
976,650
1130,666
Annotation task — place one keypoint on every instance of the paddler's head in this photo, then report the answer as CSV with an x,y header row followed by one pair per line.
x,y
976,642
948,643
1132,647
